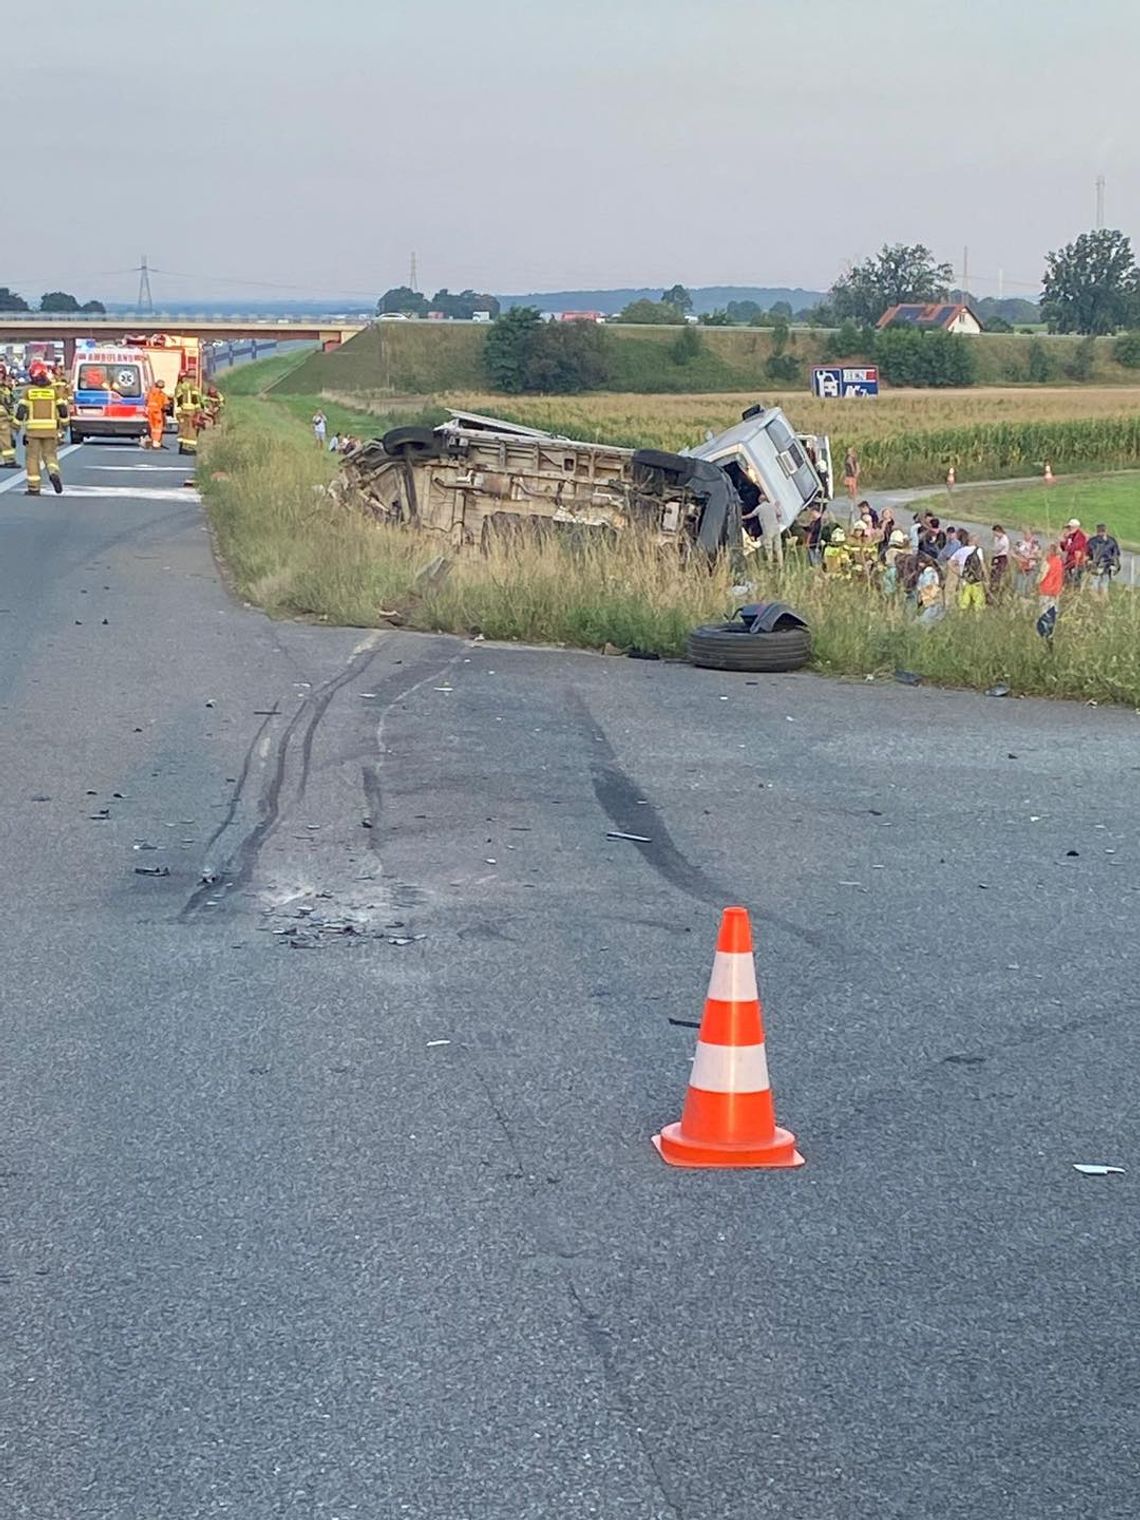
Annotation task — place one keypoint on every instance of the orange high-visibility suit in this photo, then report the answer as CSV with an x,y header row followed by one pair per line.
x,y
156,415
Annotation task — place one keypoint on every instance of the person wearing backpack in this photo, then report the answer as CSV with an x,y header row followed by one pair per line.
x,y
971,575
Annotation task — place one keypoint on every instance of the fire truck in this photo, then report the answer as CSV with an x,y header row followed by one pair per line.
x,y
173,355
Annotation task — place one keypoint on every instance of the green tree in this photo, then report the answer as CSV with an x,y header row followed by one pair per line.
x,y
1126,350
898,273
849,343
718,318
402,300
10,301
95,308
679,297
651,312
781,310
58,301
508,348
463,306
743,312
1091,286
996,324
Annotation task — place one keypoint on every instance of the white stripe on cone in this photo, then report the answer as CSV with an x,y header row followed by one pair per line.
x,y
730,1068
733,978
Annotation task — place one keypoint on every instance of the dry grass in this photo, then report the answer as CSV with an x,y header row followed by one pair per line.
x,y
290,548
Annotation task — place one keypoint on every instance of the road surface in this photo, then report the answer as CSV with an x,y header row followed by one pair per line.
x,y
303,1222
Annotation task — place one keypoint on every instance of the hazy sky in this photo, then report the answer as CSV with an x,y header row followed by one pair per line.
x,y
562,143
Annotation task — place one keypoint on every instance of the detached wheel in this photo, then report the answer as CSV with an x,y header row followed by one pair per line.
x,y
412,443
730,646
675,467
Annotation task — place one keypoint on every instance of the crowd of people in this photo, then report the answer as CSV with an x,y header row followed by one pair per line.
x,y
938,566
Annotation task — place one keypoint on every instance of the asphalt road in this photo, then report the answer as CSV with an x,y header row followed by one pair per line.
x,y
271,1249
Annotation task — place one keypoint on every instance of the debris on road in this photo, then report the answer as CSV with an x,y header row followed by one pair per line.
x,y
432,1044
1000,690
633,838
1089,1169
908,678
152,870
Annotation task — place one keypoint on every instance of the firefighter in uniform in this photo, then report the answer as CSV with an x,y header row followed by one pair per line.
x,y
62,386
188,407
7,423
40,413
212,403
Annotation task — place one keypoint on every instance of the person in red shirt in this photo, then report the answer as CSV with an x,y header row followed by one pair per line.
x,y
1052,581
1075,548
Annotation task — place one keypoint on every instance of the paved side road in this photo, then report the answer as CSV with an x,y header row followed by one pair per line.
x,y
325,1169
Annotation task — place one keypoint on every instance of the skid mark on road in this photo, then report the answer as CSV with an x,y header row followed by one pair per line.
x,y
631,812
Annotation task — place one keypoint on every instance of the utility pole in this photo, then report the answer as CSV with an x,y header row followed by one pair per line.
x,y
1099,202
145,300
1001,284
965,275
412,276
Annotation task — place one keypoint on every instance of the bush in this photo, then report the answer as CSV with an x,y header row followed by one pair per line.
x,y
686,346
1126,350
909,356
784,369
1042,368
1079,366
524,353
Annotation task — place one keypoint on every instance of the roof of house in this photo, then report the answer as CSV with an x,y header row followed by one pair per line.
x,y
925,314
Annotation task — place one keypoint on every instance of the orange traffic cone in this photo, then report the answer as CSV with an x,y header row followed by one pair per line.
x,y
729,1118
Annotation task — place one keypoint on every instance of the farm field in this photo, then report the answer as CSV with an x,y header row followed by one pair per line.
x,y
904,438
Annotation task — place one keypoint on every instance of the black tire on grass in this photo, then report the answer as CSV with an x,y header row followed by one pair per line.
x,y
730,646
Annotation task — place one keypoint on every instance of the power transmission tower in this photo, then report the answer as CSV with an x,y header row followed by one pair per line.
x,y
412,276
146,300
1099,202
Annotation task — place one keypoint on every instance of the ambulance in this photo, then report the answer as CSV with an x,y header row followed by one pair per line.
x,y
173,355
109,386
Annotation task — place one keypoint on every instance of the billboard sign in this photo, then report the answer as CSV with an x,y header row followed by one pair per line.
x,y
829,380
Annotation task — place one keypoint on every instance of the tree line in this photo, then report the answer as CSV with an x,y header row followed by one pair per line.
x,y
53,301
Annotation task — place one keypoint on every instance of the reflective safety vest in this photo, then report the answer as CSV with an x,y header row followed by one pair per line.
x,y
39,411
188,398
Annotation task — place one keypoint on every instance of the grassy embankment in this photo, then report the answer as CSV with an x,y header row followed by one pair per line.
x,y
291,550
426,358
904,438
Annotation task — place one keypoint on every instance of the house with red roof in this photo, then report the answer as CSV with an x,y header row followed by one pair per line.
x,y
951,316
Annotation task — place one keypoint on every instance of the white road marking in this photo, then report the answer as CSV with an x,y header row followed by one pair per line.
x,y
136,493
174,469
20,478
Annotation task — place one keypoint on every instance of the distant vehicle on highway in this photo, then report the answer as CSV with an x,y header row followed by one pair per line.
x,y
393,316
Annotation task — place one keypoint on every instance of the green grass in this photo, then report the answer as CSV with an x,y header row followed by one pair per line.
x,y
294,550
427,358
1111,499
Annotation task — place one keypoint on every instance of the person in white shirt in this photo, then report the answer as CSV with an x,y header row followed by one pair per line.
x,y
320,422
999,563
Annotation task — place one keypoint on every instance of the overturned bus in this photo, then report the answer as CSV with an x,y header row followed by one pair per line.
x,y
474,478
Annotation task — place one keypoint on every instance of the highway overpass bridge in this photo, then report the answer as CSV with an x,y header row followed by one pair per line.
x,y
30,327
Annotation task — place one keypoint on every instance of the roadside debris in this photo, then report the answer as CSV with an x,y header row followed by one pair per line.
x,y
434,1044
633,838
1000,690
1089,1169
908,678
152,870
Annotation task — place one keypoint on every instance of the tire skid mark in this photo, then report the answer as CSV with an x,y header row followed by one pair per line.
x,y
632,812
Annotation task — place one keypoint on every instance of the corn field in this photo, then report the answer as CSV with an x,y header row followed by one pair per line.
x,y
903,439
